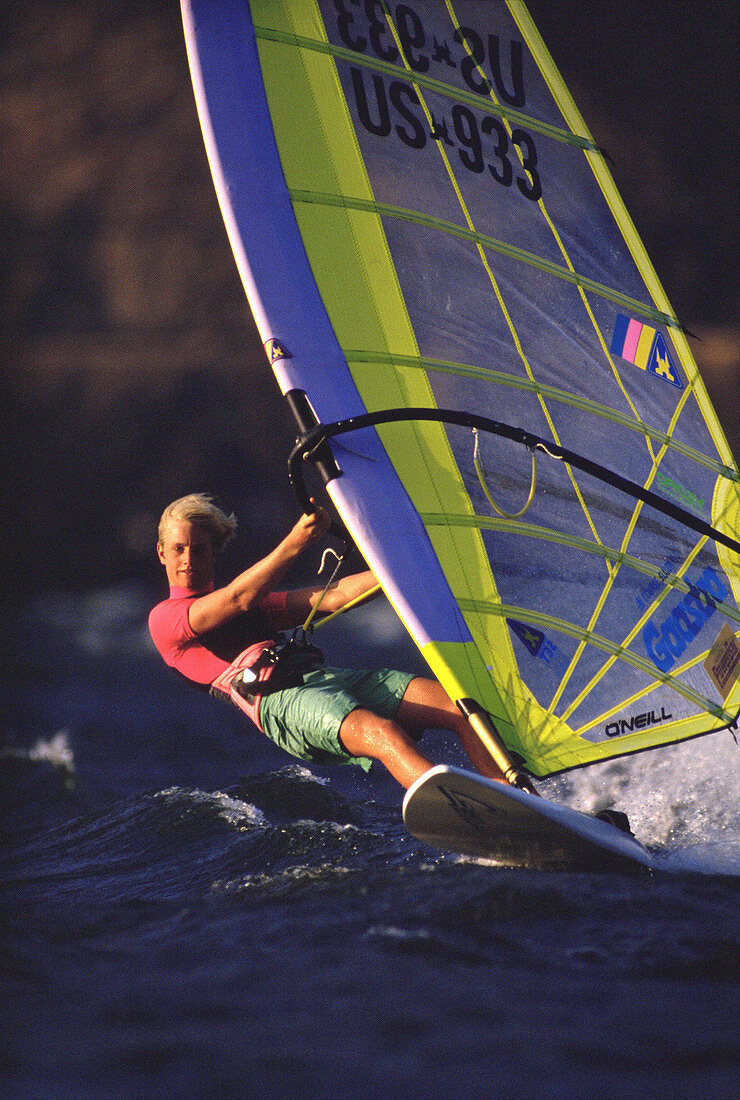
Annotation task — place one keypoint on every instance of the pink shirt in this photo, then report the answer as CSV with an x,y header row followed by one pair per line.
x,y
204,658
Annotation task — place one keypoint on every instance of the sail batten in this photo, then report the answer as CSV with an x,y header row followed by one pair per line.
x,y
585,634
423,221
467,370
567,136
568,275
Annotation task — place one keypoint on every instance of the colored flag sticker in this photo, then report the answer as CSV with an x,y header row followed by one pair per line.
x,y
644,347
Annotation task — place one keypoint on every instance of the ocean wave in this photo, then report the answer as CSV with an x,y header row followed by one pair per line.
x,y
274,832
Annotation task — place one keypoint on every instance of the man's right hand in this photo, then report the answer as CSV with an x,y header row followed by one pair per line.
x,y
312,525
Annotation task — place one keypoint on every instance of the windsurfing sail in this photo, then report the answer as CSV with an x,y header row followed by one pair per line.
x,y
447,282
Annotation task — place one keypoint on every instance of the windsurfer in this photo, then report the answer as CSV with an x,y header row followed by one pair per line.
x,y
226,640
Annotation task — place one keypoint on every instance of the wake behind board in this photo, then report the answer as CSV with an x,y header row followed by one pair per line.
x,y
461,812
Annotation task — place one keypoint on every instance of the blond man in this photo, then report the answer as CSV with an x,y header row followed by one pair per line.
x,y
227,640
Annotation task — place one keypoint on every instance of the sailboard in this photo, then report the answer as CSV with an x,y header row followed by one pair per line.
x,y
482,363
461,812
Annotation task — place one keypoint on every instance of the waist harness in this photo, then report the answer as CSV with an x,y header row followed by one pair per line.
x,y
290,660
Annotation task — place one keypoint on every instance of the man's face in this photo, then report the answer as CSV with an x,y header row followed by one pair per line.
x,y
187,555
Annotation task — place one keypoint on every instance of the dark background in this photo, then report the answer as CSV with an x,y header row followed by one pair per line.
x,y
132,371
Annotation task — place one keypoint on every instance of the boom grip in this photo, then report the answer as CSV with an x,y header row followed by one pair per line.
x,y
320,455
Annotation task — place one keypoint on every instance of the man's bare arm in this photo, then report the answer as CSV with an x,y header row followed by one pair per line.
x,y
224,604
301,601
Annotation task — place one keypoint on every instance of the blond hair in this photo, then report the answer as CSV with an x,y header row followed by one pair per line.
x,y
199,509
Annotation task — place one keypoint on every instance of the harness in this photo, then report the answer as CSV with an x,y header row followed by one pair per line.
x,y
242,683
289,659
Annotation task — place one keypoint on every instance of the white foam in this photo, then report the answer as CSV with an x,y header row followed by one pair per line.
x,y
284,879
682,799
57,750
393,932
297,771
237,812
230,809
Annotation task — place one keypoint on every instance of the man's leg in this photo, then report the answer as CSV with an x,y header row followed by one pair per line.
x,y
366,734
426,705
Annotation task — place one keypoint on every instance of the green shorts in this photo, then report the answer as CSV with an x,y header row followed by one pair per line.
x,y
305,720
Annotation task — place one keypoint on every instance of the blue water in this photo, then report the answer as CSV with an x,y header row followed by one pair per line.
x,y
188,913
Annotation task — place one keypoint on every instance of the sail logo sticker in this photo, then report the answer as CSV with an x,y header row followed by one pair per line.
x,y
723,662
647,594
276,350
645,348
539,645
531,638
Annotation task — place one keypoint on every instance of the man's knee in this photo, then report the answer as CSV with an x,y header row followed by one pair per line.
x,y
364,733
